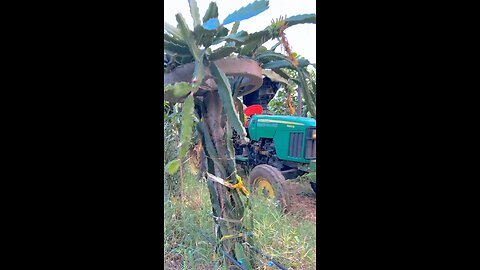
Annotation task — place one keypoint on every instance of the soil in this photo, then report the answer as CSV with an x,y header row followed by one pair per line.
x,y
303,201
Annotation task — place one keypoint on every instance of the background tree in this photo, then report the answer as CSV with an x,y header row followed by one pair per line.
x,y
278,103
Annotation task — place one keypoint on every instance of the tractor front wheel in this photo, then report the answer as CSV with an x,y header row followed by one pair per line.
x,y
269,181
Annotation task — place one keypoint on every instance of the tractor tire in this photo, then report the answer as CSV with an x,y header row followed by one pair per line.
x,y
269,181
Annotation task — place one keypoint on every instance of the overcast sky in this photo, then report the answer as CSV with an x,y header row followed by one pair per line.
x,y
302,37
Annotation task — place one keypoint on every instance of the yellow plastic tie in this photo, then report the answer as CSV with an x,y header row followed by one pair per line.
x,y
230,236
239,185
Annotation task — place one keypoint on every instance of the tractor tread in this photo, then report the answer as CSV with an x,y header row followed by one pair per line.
x,y
277,180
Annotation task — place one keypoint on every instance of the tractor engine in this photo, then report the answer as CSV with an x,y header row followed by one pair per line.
x,y
262,152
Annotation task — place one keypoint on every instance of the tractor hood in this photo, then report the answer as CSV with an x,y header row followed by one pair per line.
x,y
294,137
287,120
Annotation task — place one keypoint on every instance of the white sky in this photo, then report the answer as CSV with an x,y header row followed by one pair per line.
x,y
302,37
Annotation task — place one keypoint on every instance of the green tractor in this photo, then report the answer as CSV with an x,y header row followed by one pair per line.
x,y
279,147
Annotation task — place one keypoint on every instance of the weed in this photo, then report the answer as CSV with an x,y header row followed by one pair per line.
x,y
287,239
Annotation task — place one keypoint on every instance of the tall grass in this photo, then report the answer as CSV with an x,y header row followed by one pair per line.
x,y
288,239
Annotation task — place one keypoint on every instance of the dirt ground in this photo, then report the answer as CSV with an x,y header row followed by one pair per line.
x,y
303,201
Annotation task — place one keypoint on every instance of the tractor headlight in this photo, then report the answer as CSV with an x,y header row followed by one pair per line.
x,y
314,134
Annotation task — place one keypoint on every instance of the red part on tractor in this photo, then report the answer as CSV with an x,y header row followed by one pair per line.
x,y
252,110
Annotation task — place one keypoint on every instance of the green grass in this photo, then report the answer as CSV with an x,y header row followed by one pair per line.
x,y
287,238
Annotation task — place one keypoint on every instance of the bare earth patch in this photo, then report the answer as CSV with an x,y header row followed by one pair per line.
x,y
303,201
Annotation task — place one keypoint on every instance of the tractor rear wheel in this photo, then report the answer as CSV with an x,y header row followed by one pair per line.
x,y
269,181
